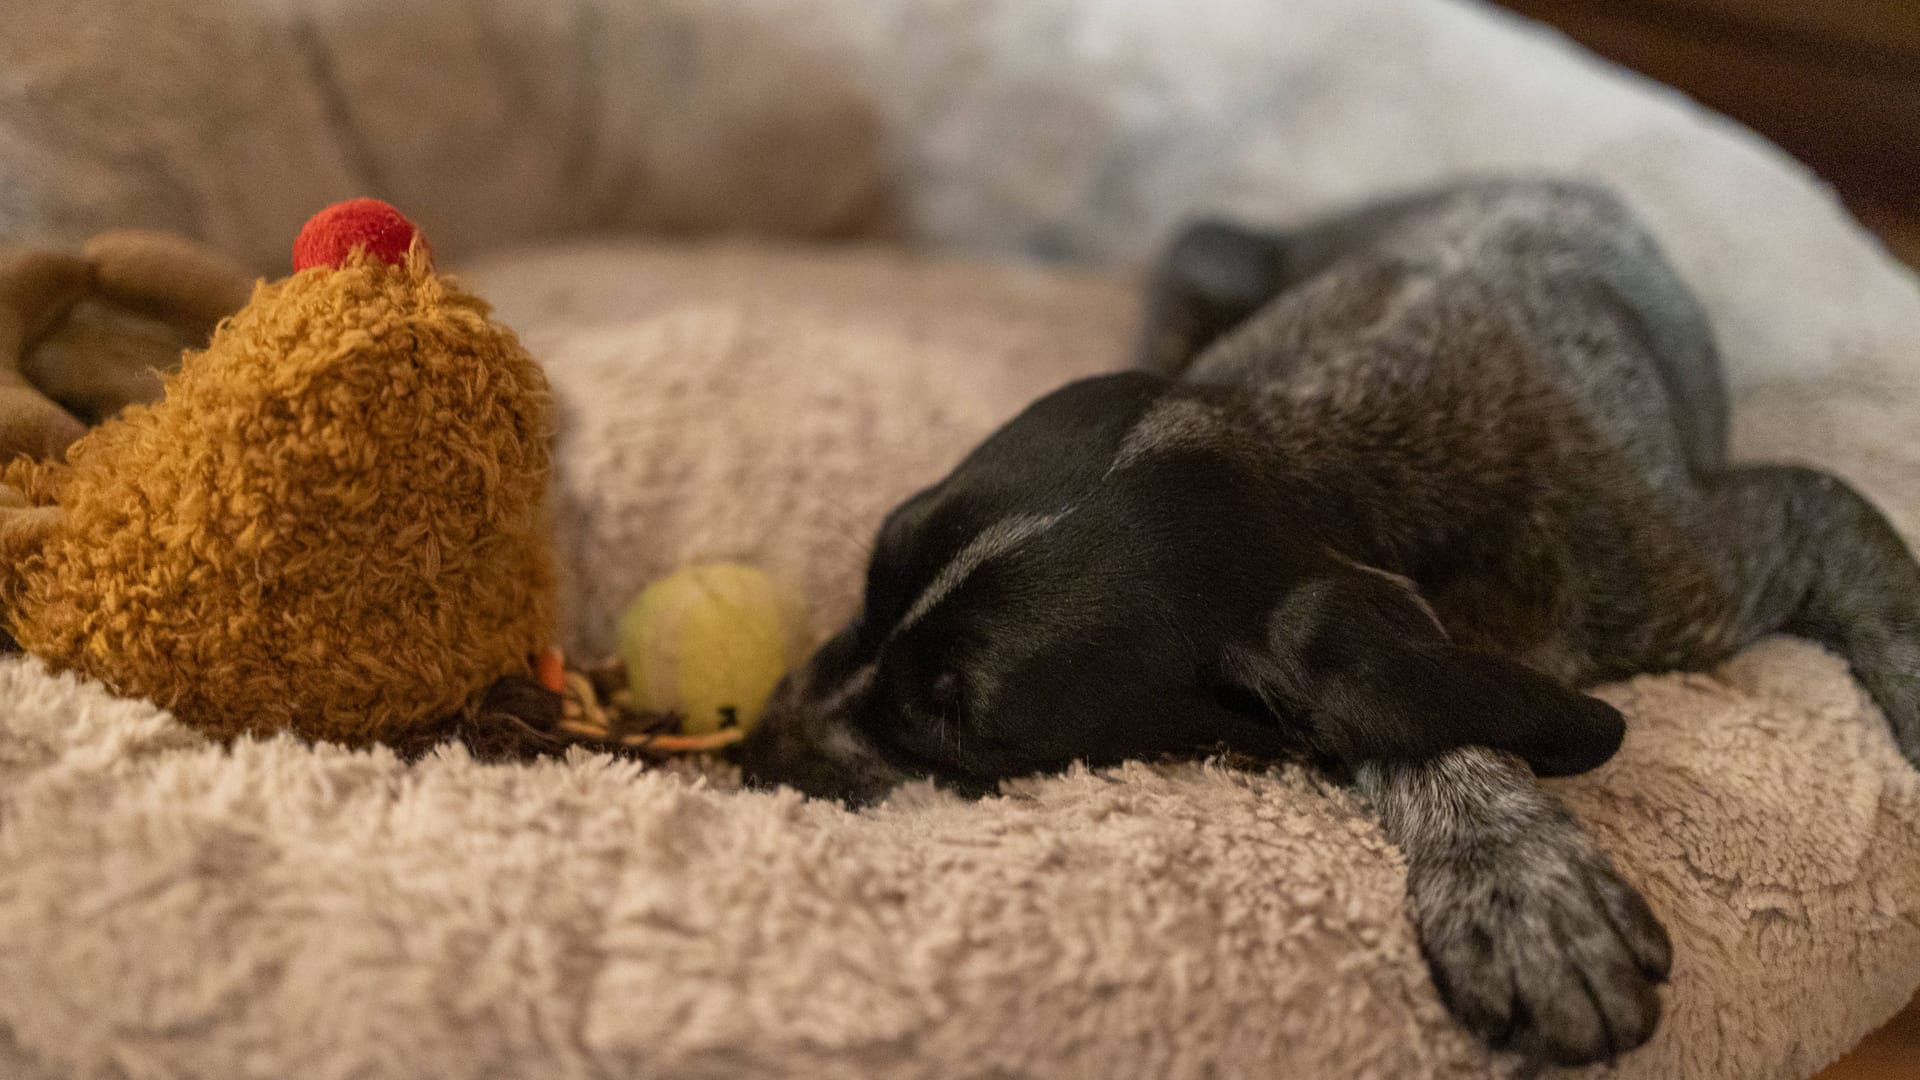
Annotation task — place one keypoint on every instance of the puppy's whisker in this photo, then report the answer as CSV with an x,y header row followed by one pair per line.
x,y
846,519
844,556
846,528
950,720
842,562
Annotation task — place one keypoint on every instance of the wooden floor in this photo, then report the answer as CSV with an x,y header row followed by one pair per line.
x,y
1892,1053
1837,84
1834,82
1899,228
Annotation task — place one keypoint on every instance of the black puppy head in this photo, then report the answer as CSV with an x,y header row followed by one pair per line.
x,y
1045,638
1036,607
1098,581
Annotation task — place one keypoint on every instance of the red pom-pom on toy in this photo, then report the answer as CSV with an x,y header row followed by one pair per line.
x,y
368,224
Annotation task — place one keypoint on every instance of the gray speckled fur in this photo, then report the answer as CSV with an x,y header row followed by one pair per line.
x,y
1520,408
1492,377
1534,940
1391,489
1513,403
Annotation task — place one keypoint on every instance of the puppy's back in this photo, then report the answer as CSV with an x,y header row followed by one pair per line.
x,y
1484,293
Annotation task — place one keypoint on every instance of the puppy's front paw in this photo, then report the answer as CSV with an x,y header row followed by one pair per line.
x,y
1538,946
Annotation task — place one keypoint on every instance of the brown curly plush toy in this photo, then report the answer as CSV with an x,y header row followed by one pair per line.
x,y
332,522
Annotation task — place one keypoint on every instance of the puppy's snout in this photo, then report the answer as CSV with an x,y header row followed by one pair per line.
x,y
807,741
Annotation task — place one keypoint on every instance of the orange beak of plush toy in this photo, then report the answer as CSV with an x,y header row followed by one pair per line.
x,y
331,523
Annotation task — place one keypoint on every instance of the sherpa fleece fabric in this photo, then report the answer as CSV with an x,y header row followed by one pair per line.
x,y
168,909
174,909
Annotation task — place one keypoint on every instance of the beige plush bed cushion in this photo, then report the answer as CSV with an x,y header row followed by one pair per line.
x,y
172,909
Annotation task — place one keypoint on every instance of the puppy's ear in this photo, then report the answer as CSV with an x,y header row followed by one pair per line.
x,y
1358,654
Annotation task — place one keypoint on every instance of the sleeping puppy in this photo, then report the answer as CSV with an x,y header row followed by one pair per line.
x,y
1384,491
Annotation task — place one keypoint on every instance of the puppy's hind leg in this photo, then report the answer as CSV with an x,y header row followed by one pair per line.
x,y
1212,278
1216,275
1807,554
1534,941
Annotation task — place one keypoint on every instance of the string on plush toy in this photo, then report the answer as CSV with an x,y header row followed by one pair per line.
x,y
596,705
700,654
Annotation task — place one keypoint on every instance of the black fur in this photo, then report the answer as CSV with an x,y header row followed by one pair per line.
x,y
1386,490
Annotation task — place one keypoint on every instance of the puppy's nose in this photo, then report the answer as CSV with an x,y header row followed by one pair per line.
x,y
758,754
750,755
816,752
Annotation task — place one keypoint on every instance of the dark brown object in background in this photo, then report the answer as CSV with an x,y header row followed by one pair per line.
x,y
1834,82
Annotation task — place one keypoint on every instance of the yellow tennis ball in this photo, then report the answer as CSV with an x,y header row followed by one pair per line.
x,y
710,643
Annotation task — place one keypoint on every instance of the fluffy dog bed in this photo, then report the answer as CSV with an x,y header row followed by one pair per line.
x,y
170,908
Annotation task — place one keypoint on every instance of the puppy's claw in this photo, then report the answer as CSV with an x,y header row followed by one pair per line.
x,y
1636,924
1542,949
